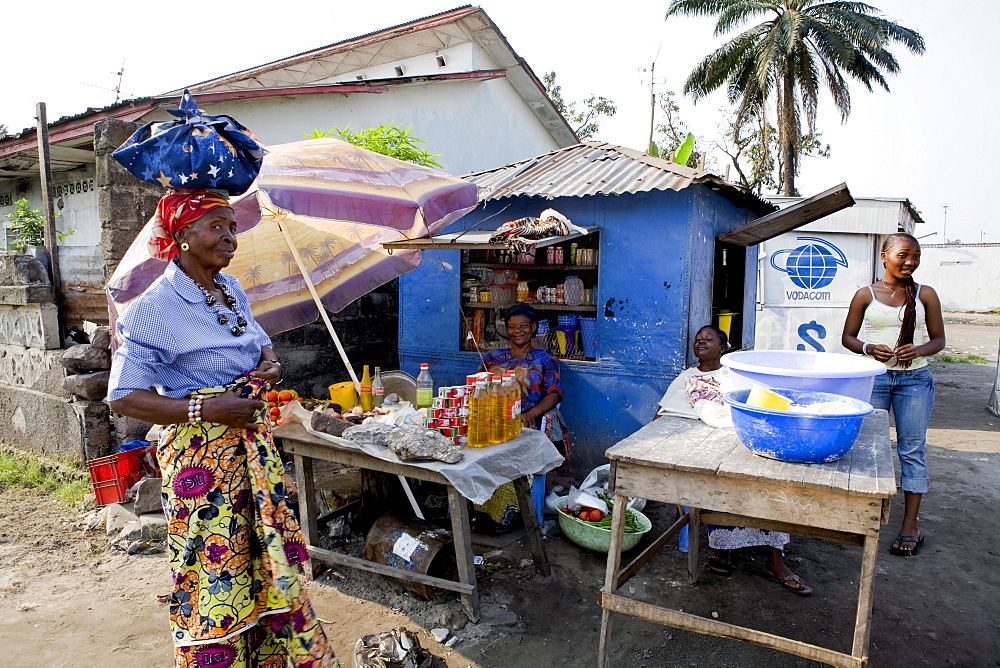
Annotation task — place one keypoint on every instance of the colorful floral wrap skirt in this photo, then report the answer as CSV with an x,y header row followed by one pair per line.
x,y
233,543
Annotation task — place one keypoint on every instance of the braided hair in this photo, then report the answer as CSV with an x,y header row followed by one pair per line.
x,y
909,320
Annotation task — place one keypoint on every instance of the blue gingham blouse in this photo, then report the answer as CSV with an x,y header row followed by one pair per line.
x,y
172,341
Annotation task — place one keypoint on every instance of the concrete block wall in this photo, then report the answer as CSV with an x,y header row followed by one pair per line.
x,y
124,203
36,413
369,330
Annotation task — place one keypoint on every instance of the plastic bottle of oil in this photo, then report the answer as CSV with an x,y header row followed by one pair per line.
x,y
498,411
513,407
479,416
425,387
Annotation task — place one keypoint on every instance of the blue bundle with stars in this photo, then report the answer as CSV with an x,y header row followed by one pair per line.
x,y
196,151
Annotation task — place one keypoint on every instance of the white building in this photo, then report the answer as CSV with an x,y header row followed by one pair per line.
x,y
452,77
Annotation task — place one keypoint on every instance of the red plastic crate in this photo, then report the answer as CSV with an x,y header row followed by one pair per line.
x,y
113,475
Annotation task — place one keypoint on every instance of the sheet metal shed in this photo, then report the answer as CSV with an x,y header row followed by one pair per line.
x,y
659,276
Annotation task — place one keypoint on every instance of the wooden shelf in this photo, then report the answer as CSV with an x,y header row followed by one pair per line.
x,y
537,307
516,267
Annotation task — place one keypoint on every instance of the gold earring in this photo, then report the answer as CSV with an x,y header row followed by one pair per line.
x,y
185,246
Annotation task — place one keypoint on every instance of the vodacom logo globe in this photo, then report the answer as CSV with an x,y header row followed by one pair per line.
x,y
812,265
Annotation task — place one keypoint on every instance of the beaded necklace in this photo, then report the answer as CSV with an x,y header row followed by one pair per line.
x,y
213,303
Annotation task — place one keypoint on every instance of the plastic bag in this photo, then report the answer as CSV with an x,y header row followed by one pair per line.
x,y
195,151
597,481
398,648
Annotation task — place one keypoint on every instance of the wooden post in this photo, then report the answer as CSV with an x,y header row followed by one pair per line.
x,y
45,173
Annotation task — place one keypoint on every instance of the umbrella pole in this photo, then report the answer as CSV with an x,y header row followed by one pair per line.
x,y
322,309
340,349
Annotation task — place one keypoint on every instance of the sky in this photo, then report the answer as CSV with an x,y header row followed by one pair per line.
x,y
924,140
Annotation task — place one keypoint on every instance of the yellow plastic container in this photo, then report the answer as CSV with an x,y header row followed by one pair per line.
x,y
761,397
726,321
344,394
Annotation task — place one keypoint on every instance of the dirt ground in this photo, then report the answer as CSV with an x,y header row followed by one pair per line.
x,y
65,600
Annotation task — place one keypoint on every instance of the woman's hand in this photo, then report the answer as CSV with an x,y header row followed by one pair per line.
x,y
906,352
881,352
528,420
267,371
232,410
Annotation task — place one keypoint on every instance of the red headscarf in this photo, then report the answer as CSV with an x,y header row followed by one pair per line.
x,y
175,211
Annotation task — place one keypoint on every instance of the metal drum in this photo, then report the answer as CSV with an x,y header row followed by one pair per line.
x,y
413,545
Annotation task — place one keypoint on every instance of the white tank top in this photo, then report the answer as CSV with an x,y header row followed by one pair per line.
x,y
882,323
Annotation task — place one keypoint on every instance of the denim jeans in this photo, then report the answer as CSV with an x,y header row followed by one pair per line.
x,y
910,394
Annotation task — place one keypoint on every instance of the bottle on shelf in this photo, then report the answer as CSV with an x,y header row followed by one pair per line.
x,y
498,411
425,387
479,416
366,399
378,387
573,250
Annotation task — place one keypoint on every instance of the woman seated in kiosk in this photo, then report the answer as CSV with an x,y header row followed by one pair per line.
x,y
697,393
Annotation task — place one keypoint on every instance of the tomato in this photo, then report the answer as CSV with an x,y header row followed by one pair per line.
x,y
596,516
584,515
274,412
285,396
272,396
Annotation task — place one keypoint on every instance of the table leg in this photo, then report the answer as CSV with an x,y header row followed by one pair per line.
x,y
694,539
611,580
862,626
463,551
307,510
527,507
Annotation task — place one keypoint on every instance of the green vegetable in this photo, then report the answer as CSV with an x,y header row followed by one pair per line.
x,y
632,523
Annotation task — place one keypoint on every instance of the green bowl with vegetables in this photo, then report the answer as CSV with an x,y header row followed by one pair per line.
x,y
594,535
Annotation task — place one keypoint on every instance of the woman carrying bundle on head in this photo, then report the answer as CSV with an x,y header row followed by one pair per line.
x,y
192,357
899,323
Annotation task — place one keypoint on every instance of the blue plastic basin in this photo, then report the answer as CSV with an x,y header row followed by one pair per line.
x,y
792,436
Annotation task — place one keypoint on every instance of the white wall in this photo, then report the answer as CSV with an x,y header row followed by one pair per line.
x,y
965,276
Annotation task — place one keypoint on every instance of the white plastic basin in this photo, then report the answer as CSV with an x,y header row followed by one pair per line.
x,y
849,375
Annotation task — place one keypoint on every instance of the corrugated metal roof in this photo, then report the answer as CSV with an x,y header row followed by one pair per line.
x,y
598,168
871,215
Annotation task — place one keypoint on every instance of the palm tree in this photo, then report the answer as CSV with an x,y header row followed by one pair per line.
x,y
786,59
253,275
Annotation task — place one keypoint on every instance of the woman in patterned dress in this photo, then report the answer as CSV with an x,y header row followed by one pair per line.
x,y
192,357
705,383
537,374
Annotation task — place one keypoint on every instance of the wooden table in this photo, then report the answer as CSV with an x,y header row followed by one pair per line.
x,y
306,447
691,464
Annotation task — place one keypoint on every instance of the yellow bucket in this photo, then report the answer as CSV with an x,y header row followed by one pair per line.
x,y
761,397
344,394
726,321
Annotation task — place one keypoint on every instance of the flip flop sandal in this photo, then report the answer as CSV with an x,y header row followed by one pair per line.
x,y
792,583
720,566
911,552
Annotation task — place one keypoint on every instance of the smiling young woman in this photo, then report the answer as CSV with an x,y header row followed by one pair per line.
x,y
899,323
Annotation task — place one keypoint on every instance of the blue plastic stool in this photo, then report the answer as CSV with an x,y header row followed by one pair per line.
x,y
682,537
538,495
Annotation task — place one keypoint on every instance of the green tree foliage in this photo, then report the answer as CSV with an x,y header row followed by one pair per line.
x,y
393,140
28,226
582,116
754,152
672,132
3,131
784,61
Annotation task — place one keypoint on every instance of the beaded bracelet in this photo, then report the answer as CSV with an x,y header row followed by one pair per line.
x,y
194,407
